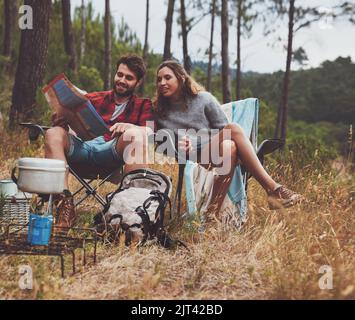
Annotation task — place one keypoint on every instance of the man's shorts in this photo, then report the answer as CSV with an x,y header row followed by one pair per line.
x,y
96,152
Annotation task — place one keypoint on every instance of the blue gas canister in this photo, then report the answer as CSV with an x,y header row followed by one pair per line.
x,y
39,229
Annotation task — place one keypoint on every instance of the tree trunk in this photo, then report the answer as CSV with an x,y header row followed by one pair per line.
x,y
83,31
281,126
187,60
31,62
239,20
108,46
9,18
168,28
145,48
210,51
68,34
225,58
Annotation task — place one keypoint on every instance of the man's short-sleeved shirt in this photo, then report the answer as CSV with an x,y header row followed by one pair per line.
x,y
137,111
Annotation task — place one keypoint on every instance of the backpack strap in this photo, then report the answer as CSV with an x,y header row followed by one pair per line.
x,y
141,211
115,216
162,199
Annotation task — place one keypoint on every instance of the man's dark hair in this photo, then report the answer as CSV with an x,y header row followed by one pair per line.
x,y
134,63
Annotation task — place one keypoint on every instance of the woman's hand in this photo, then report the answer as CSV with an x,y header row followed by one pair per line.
x,y
119,128
185,144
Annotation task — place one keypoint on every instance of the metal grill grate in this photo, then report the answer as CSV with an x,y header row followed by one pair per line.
x,y
15,211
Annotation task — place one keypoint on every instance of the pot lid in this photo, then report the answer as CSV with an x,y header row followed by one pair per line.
x,y
41,163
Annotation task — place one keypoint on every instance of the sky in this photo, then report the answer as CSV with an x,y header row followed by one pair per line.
x,y
324,40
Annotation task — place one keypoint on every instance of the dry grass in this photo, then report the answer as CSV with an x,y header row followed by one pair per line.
x,y
277,254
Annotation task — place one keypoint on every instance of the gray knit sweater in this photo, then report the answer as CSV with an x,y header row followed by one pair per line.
x,y
202,114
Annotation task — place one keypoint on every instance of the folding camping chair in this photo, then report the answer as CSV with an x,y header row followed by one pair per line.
x,y
245,113
86,175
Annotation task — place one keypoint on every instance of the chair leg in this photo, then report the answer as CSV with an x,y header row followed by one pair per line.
x,y
97,197
90,191
177,198
78,191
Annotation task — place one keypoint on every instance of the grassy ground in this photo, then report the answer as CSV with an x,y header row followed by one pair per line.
x,y
277,254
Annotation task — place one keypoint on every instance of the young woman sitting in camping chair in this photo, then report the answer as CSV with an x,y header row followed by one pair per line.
x,y
181,103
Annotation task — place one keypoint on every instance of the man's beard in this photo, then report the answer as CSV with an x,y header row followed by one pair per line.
x,y
127,93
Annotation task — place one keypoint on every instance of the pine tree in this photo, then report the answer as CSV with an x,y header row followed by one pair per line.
x,y
31,62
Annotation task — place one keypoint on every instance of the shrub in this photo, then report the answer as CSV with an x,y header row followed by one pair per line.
x,y
89,79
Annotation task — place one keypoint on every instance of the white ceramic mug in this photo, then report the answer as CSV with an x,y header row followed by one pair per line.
x,y
8,188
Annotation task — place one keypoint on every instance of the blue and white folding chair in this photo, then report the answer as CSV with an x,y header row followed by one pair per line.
x,y
199,181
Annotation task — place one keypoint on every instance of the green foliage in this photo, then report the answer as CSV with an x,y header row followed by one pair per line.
x,y
267,121
300,56
57,61
5,98
199,75
330,134
149,83
305,152
126,35
8,64
305,137
126,41
4,61
216,87
326,93
89,79
43,112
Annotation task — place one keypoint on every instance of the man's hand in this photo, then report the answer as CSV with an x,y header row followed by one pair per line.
x,y
120,127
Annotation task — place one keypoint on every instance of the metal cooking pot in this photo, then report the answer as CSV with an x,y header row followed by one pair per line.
x,y
38,175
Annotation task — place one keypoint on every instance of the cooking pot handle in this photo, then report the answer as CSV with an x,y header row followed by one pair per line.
x,y
13,177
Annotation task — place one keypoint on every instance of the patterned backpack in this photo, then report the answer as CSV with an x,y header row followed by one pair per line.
x,y
137,208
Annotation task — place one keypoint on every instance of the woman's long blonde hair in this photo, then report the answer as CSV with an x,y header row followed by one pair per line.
x,y
188,88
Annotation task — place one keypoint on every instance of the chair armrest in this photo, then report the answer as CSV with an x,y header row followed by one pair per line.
x,y
34,130
268,146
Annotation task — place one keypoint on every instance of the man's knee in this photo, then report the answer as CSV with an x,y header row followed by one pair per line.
x,y
56,136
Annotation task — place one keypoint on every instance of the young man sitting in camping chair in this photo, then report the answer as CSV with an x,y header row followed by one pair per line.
x,y
124,113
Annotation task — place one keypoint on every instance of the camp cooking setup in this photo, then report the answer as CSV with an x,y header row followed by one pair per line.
x,y
42,176
28,230
136,211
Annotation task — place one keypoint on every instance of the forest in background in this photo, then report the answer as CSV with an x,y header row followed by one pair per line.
x,y
321,105
320,100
